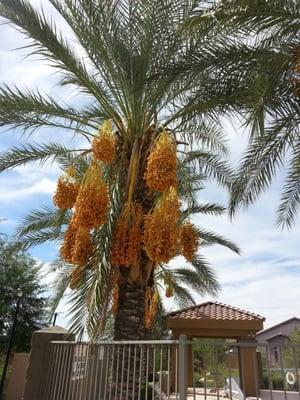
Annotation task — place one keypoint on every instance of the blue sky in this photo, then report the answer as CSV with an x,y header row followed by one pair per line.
x,y
265,279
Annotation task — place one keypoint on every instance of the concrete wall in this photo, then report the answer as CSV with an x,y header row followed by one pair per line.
x,y
37,372
278,395
16,383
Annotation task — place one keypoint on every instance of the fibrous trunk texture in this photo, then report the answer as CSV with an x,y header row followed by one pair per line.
x,y
129,321
129,325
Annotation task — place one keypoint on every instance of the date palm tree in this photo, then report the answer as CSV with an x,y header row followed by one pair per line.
x,y
264,66
132,63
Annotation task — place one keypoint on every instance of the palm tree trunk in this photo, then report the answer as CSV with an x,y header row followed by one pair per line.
x,y
129,320
129,325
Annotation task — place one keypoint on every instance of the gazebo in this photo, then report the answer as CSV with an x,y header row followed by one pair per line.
x,y
218,320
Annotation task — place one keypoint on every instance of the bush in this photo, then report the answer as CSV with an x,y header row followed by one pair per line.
x,y
277,382
145,390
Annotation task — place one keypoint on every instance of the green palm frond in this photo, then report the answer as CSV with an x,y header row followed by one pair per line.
x,y
211,165
206,209
198,276
159,330
204,134
35,152
61,284
290,198
48,42
259,67
44,218
182,296
36,238
279,19
94,289
208,276
261,162
29,110
210,238
197,280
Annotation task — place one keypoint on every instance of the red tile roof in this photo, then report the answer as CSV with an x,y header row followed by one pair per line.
x,y
214,311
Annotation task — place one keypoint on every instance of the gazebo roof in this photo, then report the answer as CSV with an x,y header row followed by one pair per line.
x,y
214,319
214,311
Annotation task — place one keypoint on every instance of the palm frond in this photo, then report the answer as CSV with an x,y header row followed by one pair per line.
x,y
290,198
43,219
202,281
207,274
210,238
182,296
62,280
211,165
48,42
259,166
36,238
206,209
34,152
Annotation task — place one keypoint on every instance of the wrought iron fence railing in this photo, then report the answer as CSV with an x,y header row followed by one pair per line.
x,y
171,369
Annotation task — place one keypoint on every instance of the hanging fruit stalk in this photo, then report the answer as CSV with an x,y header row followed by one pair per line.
x,y
127,238
67,189
68,242
91,206
189,240
161,229
115,297
169,291
104,144
151,303
82,248
161,168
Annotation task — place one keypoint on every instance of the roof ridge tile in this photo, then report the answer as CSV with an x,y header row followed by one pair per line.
x,y
214,310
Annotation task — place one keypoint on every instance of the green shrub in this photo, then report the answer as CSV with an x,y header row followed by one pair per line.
x,y
146,389
277,382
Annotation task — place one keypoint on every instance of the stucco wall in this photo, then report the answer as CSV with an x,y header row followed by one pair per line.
x,y
278,395
16,383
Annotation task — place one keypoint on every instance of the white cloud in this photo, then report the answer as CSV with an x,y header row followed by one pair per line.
x,y
27,182
265,279
43,186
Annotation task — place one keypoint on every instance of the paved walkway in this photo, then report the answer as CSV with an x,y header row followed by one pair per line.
x,y
199,394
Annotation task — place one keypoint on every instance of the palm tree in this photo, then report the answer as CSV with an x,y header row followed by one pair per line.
x,y
264,68
134,66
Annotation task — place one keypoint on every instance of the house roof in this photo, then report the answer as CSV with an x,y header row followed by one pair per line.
x,y
214,311
278,325
277,335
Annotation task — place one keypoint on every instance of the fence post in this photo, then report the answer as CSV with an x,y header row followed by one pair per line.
x,y
183,367
37,371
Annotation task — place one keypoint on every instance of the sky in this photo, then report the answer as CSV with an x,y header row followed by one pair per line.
x,y
264,279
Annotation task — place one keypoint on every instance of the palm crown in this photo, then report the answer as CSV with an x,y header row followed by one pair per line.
x,y
137,68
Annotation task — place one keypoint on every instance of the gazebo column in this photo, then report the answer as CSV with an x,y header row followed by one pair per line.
x,y
190,373
175,361
248,368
